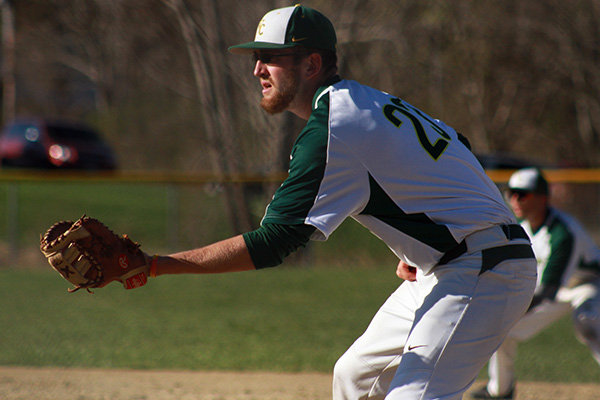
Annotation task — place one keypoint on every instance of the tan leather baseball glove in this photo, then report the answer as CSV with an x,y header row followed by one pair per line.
x,y
89,255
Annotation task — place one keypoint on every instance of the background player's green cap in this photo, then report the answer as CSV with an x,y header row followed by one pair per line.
x,y
289,27
528,180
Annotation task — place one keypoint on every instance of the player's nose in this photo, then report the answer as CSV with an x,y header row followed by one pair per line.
x,y
260,69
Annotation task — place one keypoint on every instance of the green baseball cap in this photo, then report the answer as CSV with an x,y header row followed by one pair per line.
x,y
289,27
528,180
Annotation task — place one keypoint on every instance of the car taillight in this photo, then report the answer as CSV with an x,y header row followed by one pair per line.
x,y
60,154
11,148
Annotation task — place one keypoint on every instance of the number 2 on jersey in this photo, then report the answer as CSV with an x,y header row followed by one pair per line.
x,y
435,150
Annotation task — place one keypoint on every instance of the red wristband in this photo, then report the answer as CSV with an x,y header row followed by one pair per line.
x,y
153,266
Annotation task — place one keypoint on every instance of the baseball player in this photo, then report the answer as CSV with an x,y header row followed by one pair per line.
x,y
568,278
411,181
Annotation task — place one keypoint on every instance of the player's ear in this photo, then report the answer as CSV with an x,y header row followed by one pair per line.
x,y
313,65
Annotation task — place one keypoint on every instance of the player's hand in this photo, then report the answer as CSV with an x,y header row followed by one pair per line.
x,y
406,272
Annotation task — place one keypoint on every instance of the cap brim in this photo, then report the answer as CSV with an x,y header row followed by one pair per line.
x,y
249,48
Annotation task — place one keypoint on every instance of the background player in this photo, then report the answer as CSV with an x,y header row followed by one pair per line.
x,y
409,179
568,276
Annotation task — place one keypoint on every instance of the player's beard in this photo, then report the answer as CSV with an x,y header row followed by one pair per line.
x,y
282,94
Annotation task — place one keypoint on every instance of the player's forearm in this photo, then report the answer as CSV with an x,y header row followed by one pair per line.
x,y
230,255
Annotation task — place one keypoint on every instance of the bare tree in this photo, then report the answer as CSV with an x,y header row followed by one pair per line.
x,y
206,57
9,95
512,75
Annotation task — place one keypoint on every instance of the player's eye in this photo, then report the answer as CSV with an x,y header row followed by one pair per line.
x,y
520,194
267,58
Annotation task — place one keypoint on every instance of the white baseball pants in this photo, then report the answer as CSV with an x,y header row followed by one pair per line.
x,y
431,337
501,369
502,363
586,315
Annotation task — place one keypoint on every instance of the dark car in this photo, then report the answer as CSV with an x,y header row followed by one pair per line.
x,y
506,161
50,144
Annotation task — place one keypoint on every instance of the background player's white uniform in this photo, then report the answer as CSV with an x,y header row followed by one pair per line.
x,y
409,179
579,260
585,300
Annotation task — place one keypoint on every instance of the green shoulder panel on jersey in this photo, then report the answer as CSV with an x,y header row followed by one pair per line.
x,y
295,197
562,245
419,226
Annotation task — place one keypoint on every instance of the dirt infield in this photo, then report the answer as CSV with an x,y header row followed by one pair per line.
x,y
18,383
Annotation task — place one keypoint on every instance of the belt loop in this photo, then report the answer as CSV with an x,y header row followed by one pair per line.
x,y
453,253
506,230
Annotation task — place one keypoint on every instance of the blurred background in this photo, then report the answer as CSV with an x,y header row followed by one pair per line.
x,y
518,77
171,108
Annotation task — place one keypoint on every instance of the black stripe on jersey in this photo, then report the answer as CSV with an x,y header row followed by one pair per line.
x,y
419,226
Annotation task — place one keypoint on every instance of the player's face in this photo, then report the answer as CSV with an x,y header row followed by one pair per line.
x,y
280,79
522,203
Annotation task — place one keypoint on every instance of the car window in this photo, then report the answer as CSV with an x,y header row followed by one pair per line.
x,y
66,133
29,131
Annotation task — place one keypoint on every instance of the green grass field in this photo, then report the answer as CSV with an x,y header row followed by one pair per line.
x,y
291,318
286,319
163,218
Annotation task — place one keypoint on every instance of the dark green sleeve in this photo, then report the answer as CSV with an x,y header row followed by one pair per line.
x,y
271,243
561,248
561,245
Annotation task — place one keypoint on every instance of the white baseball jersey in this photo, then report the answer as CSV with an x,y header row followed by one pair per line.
x,y
400,173
410,180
